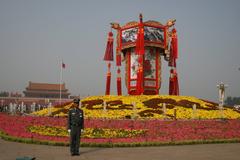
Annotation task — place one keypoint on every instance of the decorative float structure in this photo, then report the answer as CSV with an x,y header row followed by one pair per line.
x,y
141,45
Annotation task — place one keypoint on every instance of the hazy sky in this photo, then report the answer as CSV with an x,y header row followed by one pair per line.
x,y
36,34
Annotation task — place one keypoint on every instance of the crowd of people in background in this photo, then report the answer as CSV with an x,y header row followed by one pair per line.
x,y
19,109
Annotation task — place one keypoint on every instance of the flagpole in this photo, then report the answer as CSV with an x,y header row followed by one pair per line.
x,y
60,88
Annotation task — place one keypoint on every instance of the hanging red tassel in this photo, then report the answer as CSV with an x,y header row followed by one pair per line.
x,y
140,38
173,83
176,84
109,48
119,82
173,49
109,57
172,60
118,57
175,43
108,82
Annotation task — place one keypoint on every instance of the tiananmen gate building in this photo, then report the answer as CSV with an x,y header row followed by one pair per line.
x,y
46,90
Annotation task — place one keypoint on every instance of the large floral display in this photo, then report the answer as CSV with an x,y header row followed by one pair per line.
x,y
129,121
145,107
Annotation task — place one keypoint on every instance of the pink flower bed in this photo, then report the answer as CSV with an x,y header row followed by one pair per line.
x,y
157,130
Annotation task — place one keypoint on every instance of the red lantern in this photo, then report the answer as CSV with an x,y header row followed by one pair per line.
x,y
140,45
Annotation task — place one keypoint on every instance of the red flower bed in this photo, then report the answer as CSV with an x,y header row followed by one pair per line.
x,y
156,130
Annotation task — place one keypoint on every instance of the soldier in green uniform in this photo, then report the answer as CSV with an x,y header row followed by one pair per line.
x,y
75,126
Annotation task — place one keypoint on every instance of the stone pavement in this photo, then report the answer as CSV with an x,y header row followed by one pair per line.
x,y
230,151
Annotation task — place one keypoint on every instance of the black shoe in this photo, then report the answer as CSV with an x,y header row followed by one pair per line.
x,y
72,154
77,154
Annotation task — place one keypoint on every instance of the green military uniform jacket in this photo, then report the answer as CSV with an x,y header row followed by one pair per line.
x,y
75,118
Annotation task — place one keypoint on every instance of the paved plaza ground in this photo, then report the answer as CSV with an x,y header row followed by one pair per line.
x,y
230,151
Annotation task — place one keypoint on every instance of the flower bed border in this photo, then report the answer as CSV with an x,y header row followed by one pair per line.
x,y
178,132
110,145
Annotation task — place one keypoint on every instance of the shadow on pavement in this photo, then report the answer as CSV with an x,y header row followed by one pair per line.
x,y
91,150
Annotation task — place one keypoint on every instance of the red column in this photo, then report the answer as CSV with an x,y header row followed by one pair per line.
x,y
140,51
140,76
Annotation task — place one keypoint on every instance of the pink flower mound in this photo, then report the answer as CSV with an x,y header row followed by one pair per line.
x,y
156,130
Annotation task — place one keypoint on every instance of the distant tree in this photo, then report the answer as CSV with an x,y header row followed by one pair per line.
x,y
231,101
4,94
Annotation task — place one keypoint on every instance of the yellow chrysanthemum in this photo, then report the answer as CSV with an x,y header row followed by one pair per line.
x,y
145,106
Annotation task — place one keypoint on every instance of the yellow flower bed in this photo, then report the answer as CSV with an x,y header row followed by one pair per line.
x,y
145,106
88,132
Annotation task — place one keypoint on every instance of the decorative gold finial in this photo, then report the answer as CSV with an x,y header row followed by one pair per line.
x,y
115,25
170,22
